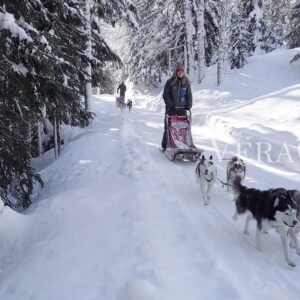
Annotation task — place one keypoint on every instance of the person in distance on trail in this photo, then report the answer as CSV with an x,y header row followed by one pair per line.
x,y
177,97
122,88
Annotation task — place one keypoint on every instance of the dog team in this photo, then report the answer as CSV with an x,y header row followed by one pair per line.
x,y
274,208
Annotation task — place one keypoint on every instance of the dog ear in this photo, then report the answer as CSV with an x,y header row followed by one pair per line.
x,y
202,160
276,201
198,156
291,198
211,157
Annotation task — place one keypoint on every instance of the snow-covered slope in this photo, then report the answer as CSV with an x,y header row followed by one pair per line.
x,y
117,220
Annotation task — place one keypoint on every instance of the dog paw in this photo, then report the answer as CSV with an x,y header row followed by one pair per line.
x,y
292,245
265,232
258,247
246,233
291,263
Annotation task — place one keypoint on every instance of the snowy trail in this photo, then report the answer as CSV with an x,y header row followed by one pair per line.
x,y
238,252
117,220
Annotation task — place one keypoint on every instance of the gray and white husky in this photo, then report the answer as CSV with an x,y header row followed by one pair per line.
x,y
235,169
206,175
294,231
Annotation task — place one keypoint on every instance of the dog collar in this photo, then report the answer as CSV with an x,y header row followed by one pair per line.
x,y
288,225
210,179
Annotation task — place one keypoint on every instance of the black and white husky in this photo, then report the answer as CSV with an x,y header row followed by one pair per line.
x,y
274,208
235,169
206,174
129,104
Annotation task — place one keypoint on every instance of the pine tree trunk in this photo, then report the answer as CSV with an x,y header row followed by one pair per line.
x,y
58,136
170,63
219,68
88,51
201,41
229,7
223,48
55,137
29,134
185,58
40,144
189,39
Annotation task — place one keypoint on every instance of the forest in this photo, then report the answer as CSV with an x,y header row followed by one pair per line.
x,y
52,53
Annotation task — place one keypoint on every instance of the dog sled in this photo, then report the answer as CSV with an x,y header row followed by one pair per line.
x,y
180,144
120,102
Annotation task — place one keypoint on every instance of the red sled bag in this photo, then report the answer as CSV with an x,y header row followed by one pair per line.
x,y
120,102
179,138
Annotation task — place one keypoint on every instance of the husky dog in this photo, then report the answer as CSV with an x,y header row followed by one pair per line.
x,y
129,104
292,232
206,174
235,168
274,208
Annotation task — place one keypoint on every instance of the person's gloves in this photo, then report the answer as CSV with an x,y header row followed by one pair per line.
x,y
171,109
187,108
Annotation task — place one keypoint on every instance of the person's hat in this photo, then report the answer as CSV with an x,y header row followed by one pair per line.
x,y
180,69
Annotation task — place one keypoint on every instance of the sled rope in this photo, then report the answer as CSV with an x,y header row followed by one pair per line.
x,y
224,183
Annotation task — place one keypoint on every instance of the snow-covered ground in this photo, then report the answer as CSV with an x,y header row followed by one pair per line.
x,y
118,220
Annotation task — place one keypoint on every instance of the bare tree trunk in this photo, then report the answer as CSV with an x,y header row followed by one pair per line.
x,y
170,63
220,52
55,137
185,58
88,51
223,63
201,40
58,136
219,67
189,38
39,132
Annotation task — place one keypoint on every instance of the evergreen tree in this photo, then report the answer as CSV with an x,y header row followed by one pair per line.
x,y
262,37
43,74
22,65
168,33
239,40
293,36
212,20
277,12
151,43
97,52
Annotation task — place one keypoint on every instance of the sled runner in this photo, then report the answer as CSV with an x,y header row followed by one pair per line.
x,y
120,102
179,137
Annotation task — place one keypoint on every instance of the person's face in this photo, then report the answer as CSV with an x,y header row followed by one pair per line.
x,y
180,74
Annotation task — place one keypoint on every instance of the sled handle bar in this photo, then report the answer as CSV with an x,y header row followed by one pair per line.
x,y
180,107
188,110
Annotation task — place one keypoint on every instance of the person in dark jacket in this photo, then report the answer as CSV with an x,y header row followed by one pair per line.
x,y
177,96
122,88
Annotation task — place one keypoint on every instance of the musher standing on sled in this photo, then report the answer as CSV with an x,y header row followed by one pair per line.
x,y
122,88
177,93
